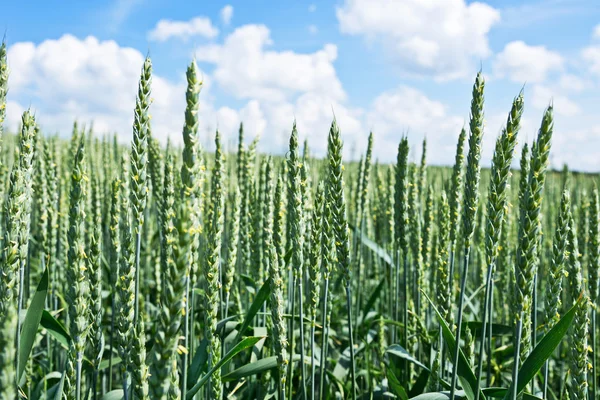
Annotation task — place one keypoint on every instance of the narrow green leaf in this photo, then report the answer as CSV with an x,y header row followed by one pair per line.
x,y
420,383
32,322
260,366
497,329
105,363
545,348
256,306
439,395
373,298
395,385
58,394
375,248
401,352
241,346
55,328
52,376
499,393
465,374
113,395
198,363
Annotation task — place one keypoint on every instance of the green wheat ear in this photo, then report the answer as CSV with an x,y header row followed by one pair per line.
x,y
401,196
473,174
455,195
163,376
17,210
443,290
594,247
579,327
4,71
340,228
139,146
557,265
77,274
212,274
471,200
527,258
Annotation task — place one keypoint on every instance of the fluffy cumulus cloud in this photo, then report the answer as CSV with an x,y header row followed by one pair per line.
x,y
246,68
522,63
280,87
439,38
406,110
542,96
571,140
167,29
93,81
596,32
226,14
591,55
68,78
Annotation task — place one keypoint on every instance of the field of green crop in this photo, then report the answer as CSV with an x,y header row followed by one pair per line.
x,y
163,272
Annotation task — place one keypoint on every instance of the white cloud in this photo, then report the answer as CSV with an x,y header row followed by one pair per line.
x,y
407,110
439,38
166,29
522,63
542,96
92,80
591,55
596,33
313,30
226,14
568,142
120,11
96,81
571,83
272,121
245,68
14,111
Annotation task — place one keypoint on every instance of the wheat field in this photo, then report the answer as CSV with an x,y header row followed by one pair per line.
x,y
170,272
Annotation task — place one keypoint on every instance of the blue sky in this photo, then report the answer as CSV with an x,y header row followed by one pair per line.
x,y
391,66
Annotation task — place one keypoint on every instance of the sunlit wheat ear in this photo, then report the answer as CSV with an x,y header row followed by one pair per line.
x,y
579,328
401,232
401,195
190,208
163,380
340,229
455,194
192,168
527,256
17,210
443,291
471,199
96,336
427,230
212,276
77,274
314,270
556,271
594,247
4,72
115,258
416,241
496,208
233,230
296,235
139,167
